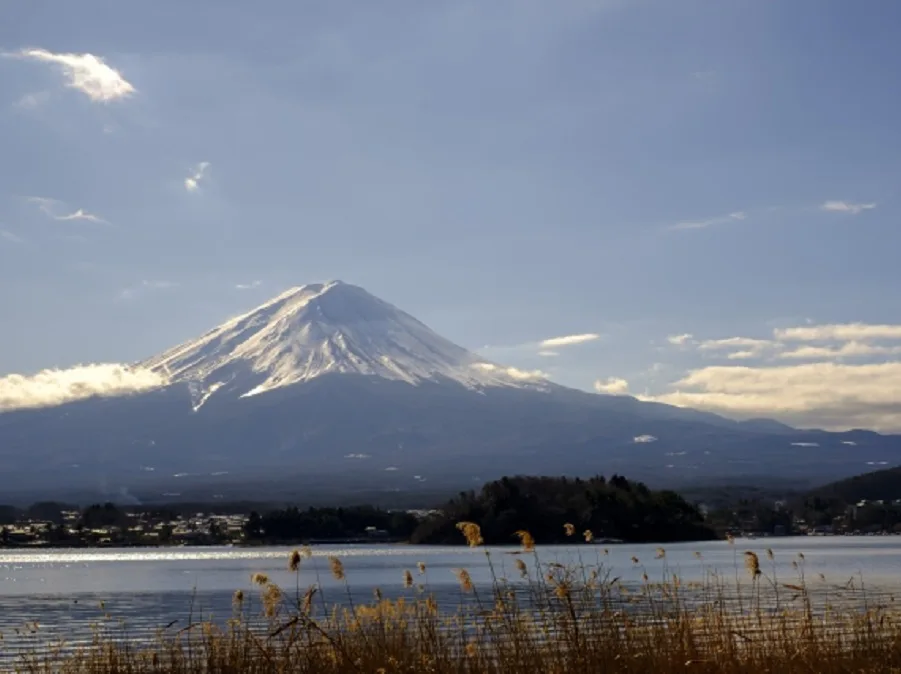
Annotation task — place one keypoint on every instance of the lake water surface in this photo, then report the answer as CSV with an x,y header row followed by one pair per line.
x,y
67,591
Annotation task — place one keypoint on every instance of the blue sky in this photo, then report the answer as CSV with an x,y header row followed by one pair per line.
x,y
507,172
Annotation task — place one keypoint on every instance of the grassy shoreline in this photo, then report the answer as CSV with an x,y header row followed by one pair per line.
x,y
550,618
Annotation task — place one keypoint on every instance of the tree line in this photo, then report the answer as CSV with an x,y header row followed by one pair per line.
x,y
616,508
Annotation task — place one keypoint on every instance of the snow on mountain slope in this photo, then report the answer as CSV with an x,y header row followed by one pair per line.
x,y
324,328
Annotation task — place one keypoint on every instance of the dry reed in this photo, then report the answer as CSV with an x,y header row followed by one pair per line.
x,y
562,618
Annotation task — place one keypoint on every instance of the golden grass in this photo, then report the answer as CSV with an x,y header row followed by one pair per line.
x,y
555,618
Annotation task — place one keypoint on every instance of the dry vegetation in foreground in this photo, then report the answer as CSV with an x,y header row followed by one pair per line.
x,y
553,619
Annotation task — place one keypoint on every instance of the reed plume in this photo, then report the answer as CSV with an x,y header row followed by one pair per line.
x,y
752,563
336,567
472,532
464,579
580,620
521,567
526,540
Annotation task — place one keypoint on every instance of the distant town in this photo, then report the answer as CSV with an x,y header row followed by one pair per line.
x,y
811,517
107,525
618,510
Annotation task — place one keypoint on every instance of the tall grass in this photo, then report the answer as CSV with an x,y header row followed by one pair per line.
x,y
550,618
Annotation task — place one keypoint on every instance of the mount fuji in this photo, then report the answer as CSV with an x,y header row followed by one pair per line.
x,y
326,388
326,328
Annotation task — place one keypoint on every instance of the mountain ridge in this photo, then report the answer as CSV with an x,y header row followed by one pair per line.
x,y
326,384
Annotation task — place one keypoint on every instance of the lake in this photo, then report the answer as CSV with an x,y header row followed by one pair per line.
x,y
66,592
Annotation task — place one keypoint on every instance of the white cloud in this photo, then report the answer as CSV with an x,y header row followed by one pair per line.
x,y
134,291
846,207
679,340
568,340
805,444
85,72
822,395
192,182
9,236
737,216
248,286
612,386
839,332
513,372
642,439
54,387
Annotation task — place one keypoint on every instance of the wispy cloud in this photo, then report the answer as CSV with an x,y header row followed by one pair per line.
x,y
742,348
817,342
54,387
33,100
80,214
846,207
6,235
750,343
847,350
679,340
737,216
743,355
547,348
642,439
52,207
46,204
612,386
192,182
85,72
568,340
134,291
248,286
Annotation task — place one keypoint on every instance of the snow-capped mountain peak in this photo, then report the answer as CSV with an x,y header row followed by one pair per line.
x,y
325,328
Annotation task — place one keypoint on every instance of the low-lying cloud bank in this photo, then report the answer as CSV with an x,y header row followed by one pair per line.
x,y
852,378
512,372
830,396
55,387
